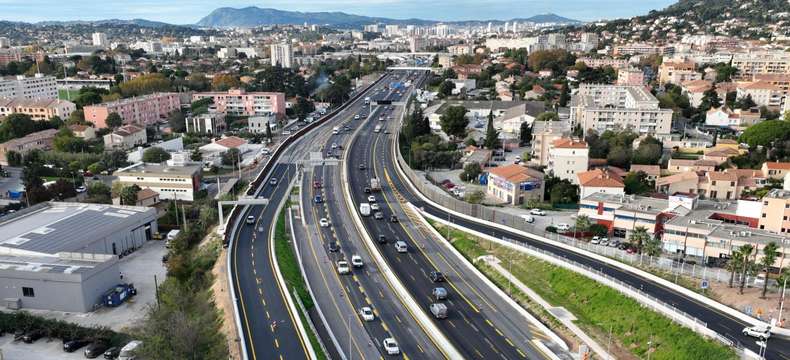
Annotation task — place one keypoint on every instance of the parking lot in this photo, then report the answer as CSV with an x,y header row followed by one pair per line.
x,y
42,349
138,268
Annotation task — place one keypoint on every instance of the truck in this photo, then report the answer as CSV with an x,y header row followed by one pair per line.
x,y
364,209
439,310
367,100
118,294
375,184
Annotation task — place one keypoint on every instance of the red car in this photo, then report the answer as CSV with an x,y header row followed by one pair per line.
x,y
317,184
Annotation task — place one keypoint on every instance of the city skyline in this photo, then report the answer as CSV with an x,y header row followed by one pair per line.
x,y
183,12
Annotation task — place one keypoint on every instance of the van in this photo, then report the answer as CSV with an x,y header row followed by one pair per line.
x,y
336,130
401,246
128,351
171,235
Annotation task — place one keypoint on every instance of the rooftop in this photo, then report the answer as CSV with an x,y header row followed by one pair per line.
x,y
600,178
631,202
158,170
514,173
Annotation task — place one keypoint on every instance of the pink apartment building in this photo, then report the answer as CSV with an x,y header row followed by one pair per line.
x,y
241,103
141,110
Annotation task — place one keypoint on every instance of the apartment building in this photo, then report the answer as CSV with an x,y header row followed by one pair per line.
x,y
642,49
603,62
126,137
211,122
761,62
630,77
282,55
258,124
140,110
612,107
775,169
8,55
41,140
100,39
677,72
463,49
695,90
515,184
37,109
238,102
544,133
719,185
170,182
763,93
38,86
568,157
735,118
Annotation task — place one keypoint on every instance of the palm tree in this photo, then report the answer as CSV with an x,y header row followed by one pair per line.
x,y
746,251
638,237
770,252
734,265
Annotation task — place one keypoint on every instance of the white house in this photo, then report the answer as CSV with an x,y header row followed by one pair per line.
x,y
600,181
568,157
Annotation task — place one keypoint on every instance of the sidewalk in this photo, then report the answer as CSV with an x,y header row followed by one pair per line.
x,y
564,316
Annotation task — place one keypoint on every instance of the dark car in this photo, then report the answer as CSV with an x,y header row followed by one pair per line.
x,y
112,353
366,190
33,335
393,218
19,334
382,239
333,246
361,166
74,345
437,276
95,349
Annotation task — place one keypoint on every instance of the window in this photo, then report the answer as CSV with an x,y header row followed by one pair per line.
x,y
28,292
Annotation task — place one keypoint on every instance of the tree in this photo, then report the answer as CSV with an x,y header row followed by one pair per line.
x,y
746,103
454,121
114,120
155,155
710,99
62,189
446,88
177,121
14,158
98,193
638,237
765,133
582,224
619,156
196,155
746,266
652,246
599,230
564,95
525,133
303,107
128,195
17,125
224,82
637,183
734,265
492,136
770,252
471,172
34,186
548,116
144,84
563,192
231,157
96,168
648,152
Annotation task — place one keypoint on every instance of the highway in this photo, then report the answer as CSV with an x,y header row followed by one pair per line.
x,y
268,326
476,327
724,324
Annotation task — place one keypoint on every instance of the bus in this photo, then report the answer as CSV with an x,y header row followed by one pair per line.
x,y
377,129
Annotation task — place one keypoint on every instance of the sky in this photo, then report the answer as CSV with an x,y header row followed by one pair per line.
x,y
190,11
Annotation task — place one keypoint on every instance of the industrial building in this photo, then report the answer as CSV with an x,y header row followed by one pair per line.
x,y
64,256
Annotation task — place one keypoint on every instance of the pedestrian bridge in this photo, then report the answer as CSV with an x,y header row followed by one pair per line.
x,y
410,68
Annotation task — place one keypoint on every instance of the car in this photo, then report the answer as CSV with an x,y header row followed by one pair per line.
x,y
371,199
333,246
595,240
323,222
528,218
95,349
250,220
318,199
391,346
366,190
630,250
375,207
361,166
112,353
32,335
439,293
334,146
517,160
378,215
437,276
356,117
356,261
342,267
538,212
401,246
81,189
614,243
760,332
604,242
74,344
317,184
273,182
367,313
563,227
393,218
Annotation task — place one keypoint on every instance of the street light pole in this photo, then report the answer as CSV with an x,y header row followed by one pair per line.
x,y
782,303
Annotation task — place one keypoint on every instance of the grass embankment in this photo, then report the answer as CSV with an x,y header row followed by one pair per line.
x,y
598,308
289,267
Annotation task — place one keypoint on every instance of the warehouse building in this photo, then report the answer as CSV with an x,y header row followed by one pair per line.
x,y
64,256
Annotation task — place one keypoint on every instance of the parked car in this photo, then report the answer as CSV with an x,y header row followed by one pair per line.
x,y
528,218
81,189
95,349
33,335
538,212
74,344
760,332
563,227
112,353
367,313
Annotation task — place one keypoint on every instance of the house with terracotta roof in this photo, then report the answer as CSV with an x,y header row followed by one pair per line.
x,y
684,165
653,172
84,132
224,144
40,140
568,157
775,170
126,137
719,185
600,181
515,184
720,155
684,182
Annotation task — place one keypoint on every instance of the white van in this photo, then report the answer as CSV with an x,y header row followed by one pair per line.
x,y
171,235
127,352
401,246
336,130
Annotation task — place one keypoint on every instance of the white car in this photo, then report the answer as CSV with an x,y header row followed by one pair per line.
x,y
538,212
356,117
528,218
371,199
760,332
367,313
356,261
375,207
595,240
250,219
342,267
563,227
323,222
81,189
391,346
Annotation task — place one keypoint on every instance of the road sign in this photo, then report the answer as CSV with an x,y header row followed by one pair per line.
x,y
704,284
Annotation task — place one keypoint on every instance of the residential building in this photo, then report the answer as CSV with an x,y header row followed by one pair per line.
x,y
83,132
718,185
544,133
258,124
464,71
126,137
568,157
695,90
64,256
599,181
677,72
211,122
775,169
603,62
170,182
140,110
8,55
463,49
39,86
621,214
4,42
761,62
685,165
79,83
238,102
100,39
40,140
642,49
762,93
216,148
282,55
653,172
775,216
684,182
515,184
37,109
630,77
737,118
612,107
417,43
